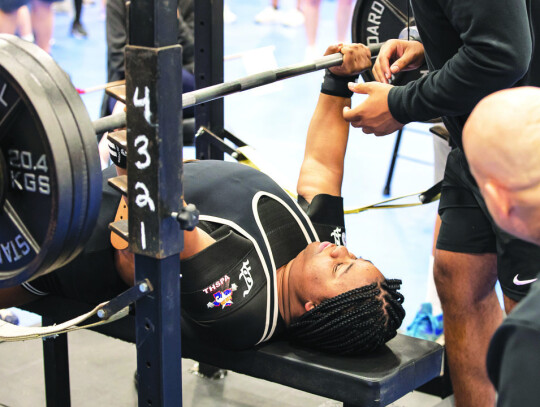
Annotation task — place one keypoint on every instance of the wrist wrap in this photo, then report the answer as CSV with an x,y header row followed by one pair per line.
x,y
336,85
118,155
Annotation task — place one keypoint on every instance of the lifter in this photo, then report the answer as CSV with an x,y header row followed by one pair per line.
x,y
259,265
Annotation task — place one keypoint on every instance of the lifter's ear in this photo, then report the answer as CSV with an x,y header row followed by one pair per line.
x,y
309,306
497,200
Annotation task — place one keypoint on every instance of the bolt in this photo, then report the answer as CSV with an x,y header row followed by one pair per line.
x,y
143,287
101,313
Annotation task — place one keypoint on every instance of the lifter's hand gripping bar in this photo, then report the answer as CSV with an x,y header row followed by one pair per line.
x,y
209,93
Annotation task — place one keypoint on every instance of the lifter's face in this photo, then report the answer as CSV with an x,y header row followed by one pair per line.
x,y
324,270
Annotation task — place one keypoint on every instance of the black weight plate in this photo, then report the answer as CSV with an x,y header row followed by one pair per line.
x,y
72,140
376,21
92,176
37,177
3,178
84,141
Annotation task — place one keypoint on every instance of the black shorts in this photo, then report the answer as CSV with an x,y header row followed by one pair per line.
x,y
467,227
10,6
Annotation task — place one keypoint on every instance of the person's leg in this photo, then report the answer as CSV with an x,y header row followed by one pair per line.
x,y
24,25
8,22
42,22
471,312
343,19
311,14
77,4
465,272
77,28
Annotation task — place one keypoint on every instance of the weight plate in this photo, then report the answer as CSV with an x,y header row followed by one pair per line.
x,y
376,21
77,159
38,182
84,147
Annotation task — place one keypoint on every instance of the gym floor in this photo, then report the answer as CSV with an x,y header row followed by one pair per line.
x,y
273,120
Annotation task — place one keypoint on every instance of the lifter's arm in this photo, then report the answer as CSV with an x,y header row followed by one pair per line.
x,y
326,143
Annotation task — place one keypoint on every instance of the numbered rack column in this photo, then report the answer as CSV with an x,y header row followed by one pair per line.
x,y
154,136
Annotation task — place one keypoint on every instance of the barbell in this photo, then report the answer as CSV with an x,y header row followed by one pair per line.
x,y
196,97
50,175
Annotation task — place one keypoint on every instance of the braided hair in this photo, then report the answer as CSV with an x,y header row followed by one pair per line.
x,y
353,322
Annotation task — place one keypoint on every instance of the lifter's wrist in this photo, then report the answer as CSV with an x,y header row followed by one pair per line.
x,y
337,85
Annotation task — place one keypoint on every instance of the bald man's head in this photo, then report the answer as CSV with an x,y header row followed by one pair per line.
x,y
501,140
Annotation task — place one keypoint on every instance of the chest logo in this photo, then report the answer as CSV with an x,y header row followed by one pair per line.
x,y
223,298
245,273
222,282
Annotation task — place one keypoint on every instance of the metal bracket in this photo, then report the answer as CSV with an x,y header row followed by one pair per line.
x,y
128,297
219,142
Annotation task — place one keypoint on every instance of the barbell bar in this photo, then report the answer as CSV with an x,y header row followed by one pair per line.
x,y
213,92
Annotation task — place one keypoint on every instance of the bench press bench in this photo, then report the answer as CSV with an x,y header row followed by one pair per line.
x,y
377,379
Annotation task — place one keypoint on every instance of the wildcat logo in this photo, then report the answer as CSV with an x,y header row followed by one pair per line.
x,y
245,273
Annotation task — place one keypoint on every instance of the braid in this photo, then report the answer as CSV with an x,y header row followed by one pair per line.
x,y
353,322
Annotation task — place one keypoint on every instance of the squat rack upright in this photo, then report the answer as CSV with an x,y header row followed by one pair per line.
x,y
154,131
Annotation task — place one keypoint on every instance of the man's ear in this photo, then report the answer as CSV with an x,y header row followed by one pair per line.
x,y
498,200
309,306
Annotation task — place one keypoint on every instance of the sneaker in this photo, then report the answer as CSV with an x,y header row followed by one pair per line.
x,y
28,37
9,316
425,325
78,31
269,15
293,18
228,15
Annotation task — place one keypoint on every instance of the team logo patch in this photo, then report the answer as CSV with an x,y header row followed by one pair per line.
x,y
223,298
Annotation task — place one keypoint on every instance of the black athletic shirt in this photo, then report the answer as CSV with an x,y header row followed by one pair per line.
x,y
513,359
229,295
229,289
472,48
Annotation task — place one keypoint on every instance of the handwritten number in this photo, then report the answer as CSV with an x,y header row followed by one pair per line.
x,y
144,199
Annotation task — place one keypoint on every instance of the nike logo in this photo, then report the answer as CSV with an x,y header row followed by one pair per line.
x,y
523,282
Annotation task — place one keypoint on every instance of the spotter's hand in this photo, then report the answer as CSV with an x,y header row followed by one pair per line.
x,y
373,115
396,56
356,58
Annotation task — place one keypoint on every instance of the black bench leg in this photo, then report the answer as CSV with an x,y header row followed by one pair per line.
x,y
211,372
386,191
56,365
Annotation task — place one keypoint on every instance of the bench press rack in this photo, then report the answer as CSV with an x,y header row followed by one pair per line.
x,y
376,379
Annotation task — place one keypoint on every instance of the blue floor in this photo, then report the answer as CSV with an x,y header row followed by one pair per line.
x,y
274,120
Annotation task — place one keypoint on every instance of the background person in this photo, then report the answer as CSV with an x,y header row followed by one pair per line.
x,y
41,15
502,140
